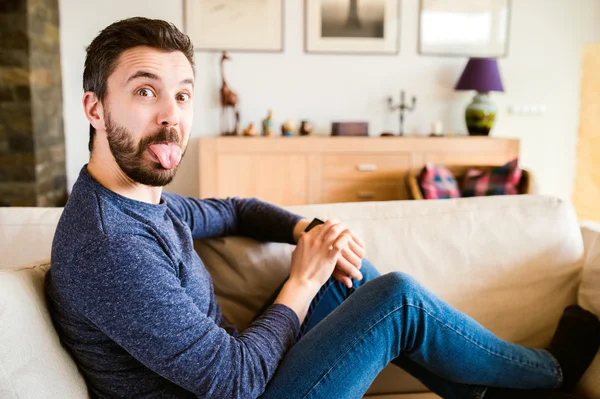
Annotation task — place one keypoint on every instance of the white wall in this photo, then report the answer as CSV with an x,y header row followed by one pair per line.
x,y
543,67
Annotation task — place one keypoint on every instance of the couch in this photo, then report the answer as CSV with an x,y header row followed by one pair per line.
x,y
511,262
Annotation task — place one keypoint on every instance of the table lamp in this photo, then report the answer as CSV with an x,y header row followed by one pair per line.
x,y
481,75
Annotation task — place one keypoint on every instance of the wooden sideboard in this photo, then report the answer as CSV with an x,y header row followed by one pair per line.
x,y
320,169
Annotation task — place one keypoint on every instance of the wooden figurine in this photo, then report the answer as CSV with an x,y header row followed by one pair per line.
x,y
268,125
287,129
250,131
229,103
305,128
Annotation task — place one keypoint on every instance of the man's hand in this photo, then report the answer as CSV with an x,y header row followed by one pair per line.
x,y
349,263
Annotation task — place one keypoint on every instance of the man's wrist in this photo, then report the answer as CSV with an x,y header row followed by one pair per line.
x,y
297,295
299,229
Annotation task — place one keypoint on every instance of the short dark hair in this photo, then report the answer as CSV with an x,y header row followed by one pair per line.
x,y
105,50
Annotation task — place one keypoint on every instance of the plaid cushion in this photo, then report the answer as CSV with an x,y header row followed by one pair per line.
x,y
436,181
503,180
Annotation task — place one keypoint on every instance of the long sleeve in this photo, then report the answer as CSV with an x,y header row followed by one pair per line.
x,y
129,289
249,217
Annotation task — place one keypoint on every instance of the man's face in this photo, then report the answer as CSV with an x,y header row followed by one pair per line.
x,y
148,113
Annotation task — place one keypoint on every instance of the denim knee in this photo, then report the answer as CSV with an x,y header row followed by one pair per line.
x,y
399,285
402,281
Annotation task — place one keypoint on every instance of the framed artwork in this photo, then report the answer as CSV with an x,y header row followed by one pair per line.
x,y
235,25
469,28
351,26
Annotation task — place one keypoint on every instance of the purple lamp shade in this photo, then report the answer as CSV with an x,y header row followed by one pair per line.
x,y
480,74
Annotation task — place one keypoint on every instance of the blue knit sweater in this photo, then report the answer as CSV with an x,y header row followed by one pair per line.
x,y
136,308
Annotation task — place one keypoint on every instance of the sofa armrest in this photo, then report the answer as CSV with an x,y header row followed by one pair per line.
x,y
590,232
589,291
589,298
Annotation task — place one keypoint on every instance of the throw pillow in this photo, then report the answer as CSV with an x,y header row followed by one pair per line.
x,y
503,180
33,362
436,182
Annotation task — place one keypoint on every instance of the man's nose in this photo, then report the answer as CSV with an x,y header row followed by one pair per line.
x,y
169,113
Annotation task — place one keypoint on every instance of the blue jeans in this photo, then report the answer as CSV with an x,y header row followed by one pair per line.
x,y
351,334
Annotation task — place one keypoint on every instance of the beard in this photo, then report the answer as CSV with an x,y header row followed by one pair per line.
x,y
131,159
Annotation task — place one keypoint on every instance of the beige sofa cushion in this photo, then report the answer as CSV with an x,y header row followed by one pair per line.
x,y
33,364
513,263
589,292
26,234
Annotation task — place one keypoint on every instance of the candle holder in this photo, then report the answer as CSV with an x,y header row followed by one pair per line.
x,y
402,107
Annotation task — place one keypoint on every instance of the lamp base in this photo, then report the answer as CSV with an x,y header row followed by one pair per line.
x,y
480,115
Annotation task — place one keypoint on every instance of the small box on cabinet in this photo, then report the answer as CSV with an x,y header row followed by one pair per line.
x,y
349,128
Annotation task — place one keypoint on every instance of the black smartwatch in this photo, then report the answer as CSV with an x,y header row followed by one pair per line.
x,y
315,222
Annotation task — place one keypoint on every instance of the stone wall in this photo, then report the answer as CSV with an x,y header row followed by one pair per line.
x,y
32,147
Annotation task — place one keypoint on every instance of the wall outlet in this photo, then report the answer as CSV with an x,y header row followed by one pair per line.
x,y
527,109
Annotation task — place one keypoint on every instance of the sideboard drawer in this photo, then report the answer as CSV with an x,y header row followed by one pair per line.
x,y
338,191
369,166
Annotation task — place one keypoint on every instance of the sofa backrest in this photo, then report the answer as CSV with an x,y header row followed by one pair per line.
x,y
26,235
513,262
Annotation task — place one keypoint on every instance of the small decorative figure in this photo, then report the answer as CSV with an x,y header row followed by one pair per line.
x,y
305,128
268,128
229,103
287,129
250,131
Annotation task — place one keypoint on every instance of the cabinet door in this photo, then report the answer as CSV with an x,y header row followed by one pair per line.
x,y
279,179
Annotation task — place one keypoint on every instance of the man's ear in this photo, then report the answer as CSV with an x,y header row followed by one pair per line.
x,y
93,110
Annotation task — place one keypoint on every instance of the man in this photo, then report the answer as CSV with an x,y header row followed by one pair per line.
x,y
135,306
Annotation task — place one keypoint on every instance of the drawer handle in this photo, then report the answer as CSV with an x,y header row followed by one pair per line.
x,y
365,167
365,194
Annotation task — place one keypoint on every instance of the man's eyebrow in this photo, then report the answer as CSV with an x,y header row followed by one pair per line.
x,y
187,81
143,74
150,75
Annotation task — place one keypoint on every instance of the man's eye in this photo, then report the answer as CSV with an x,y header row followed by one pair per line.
x,y
145,93
183,97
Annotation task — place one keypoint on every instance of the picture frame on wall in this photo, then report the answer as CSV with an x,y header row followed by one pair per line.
x,y
352,26
234,25
466,28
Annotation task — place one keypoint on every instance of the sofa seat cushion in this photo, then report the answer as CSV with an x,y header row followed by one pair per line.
x,y
33,363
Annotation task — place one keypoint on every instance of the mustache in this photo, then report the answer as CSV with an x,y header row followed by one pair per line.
x,y
163,135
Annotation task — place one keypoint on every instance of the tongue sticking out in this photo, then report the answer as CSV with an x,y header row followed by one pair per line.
x,y
169,155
